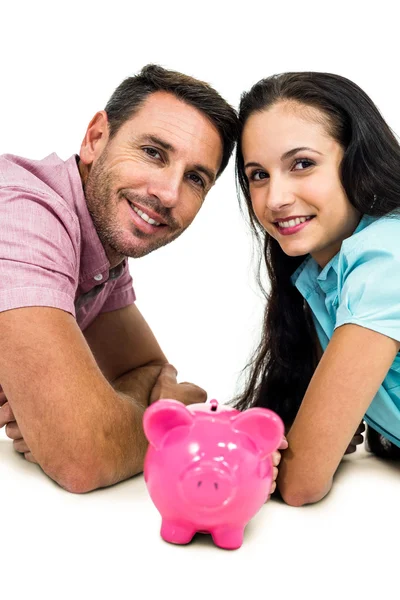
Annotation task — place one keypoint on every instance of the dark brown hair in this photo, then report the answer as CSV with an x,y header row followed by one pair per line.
x,y
133,91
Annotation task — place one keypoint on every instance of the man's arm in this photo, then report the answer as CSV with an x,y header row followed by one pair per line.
x,y
79,404
132,361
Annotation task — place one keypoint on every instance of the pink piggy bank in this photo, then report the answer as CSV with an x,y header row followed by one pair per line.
x,y
208,467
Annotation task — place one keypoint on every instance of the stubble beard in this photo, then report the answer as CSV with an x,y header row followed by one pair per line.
x,y
103,210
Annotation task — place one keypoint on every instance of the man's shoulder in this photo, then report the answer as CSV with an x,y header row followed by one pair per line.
x,y
17,171
49,181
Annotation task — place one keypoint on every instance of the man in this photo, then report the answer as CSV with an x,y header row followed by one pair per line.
x,y
78,363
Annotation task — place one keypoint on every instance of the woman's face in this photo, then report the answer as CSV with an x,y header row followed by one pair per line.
x,y
292,165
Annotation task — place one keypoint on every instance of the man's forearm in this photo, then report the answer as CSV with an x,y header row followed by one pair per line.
x,y
138,383
124,444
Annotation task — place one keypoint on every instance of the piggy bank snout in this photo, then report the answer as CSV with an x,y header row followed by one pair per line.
x,y
208,485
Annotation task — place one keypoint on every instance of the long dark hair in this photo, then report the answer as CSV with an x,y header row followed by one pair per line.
x,y
285,360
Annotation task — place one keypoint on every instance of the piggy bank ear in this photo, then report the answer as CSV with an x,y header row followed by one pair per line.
x,y
263,426
163,416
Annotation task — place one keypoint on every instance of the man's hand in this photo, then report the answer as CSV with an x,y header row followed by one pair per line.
x,y
276,459
12,430
167,386
357,439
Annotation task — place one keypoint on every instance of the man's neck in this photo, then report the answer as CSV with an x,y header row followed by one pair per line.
x,y
114,257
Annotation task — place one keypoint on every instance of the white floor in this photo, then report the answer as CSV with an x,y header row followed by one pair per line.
x,y
106,544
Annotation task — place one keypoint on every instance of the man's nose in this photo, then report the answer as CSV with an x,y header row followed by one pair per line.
x,y
166,186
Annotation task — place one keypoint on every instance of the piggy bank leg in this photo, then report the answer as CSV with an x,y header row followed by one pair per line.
x,y
176,533
229,538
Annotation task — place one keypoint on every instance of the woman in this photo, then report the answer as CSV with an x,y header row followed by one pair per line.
x,y
319,170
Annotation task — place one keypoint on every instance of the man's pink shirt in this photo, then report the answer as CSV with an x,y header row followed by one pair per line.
x,y
50,253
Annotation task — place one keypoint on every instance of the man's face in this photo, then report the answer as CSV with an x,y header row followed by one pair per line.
x,y
147,183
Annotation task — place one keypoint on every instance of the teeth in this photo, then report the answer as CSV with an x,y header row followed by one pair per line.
x,y
144,216
293,222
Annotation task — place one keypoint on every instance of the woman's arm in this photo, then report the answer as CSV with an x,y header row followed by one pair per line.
x,y
344,384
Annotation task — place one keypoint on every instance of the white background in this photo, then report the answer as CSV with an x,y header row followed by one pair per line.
x,y
60,62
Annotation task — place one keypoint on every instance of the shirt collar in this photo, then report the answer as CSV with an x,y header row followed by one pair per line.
x,y
309,275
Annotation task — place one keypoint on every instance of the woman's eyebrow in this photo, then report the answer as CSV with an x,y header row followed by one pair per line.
x,y
294,151
286,155
252,164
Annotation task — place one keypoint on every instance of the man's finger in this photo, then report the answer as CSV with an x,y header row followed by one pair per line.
x,y
20,446
169,372
12,431
194,393
30,458
6,414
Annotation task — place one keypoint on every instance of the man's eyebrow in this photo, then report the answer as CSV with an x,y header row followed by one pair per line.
x,y
294,151
211,176
156,140
166,146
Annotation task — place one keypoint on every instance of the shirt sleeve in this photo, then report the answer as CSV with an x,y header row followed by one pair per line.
x,y
39,239
122,294
370,289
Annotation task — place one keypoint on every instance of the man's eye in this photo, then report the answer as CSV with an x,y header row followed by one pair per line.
x,y
196,179
258,175
152,152
302,163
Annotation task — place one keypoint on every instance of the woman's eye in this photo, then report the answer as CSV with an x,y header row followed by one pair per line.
x,y
302,163
258,175
196,179
152,152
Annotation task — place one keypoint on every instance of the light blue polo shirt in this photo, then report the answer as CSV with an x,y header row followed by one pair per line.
x,y
361,285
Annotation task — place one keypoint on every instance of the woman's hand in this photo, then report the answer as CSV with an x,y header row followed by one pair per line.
x,y
276,459
357,439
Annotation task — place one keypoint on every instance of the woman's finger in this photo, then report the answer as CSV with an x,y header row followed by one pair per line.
x,y
350,449
276,458
284,444
357,439
360,428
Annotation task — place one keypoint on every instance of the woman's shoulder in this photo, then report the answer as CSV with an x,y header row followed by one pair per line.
x,y
374,235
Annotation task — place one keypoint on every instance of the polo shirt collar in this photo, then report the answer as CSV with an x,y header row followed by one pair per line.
x,y
309,276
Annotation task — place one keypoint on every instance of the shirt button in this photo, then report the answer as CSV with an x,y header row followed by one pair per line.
x,y
98,277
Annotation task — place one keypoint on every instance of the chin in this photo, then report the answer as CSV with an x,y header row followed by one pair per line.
x,y
295,251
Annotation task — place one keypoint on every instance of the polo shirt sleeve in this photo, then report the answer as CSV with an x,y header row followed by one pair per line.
x,y
38,251
369,287
122,294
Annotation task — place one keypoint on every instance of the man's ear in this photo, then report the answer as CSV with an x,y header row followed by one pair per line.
x,y
96,138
